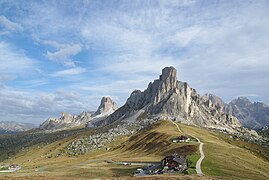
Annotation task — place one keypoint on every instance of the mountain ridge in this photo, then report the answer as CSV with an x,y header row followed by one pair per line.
x,y
168,98
13,127
66,120
251,115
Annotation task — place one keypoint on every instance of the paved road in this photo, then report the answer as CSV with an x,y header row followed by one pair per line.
x,y
199,162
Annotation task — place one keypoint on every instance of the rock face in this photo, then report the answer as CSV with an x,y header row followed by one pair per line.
x,y
12,126
67,120
107,107
168,98
251,115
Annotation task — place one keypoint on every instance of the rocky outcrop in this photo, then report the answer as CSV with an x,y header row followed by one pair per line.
x,y
67,120
251,115
12,127
102,139
168,98
107,107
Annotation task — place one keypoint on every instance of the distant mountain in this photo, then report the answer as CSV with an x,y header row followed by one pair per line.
x,y
168,98
10,127
66,120
251,115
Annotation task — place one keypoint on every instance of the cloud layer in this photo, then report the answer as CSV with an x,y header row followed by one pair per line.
x,y
93,48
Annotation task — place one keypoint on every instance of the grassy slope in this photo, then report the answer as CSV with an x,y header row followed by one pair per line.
x,y
225,157
150,145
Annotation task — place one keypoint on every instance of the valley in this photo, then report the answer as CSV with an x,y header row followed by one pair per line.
x,y
148,145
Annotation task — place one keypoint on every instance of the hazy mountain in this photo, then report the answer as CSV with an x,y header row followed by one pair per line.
x,y
66,120
7,127
251,115
168,98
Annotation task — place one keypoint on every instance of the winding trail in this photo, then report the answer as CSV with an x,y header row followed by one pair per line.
x,y
199,162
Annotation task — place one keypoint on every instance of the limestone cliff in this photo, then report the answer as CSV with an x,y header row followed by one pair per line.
x,y
251,115
66,120
168,98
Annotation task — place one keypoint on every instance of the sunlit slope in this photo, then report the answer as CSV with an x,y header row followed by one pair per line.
x,y
153,143
224,157
230,158
148,145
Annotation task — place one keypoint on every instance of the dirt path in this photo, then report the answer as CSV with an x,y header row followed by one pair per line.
x,y
9,170
199,162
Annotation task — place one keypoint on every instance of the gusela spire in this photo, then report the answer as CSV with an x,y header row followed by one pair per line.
x,y
169,76
166,84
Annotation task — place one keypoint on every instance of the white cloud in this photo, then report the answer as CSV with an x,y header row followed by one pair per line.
x,y
36,107
219,47
63,54
69,72
9,25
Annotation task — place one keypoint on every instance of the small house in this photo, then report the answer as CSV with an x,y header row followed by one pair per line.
x,y
183,138
174,162
14,167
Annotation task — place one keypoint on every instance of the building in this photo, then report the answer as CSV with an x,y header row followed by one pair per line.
x,y
174,162
181,138
14,167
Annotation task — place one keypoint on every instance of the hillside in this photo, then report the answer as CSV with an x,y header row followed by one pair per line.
x,y
264,131
148,145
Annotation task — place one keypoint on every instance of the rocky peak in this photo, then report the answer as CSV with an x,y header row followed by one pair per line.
x,y
167,98
251,115
169,75
107,106
242,102
214,100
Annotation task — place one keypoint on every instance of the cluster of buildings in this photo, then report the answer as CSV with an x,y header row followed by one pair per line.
x,y
170,164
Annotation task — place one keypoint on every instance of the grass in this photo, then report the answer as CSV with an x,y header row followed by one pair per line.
x,y
3,168
191,161
228,159
149,145
223,157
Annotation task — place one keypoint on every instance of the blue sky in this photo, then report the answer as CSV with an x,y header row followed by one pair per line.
x,y
65,55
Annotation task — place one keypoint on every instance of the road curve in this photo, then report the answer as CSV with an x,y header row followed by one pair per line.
x,y
199,162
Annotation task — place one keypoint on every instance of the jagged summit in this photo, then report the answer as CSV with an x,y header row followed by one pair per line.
x,y
66,120
169,76
251,115
168,98
242,101
107,106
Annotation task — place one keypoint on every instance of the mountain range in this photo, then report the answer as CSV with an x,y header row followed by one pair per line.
x,y
168,98
251,115
164,98
8,127
66,120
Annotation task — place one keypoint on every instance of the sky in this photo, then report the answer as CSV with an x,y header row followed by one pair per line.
x,y
65,55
